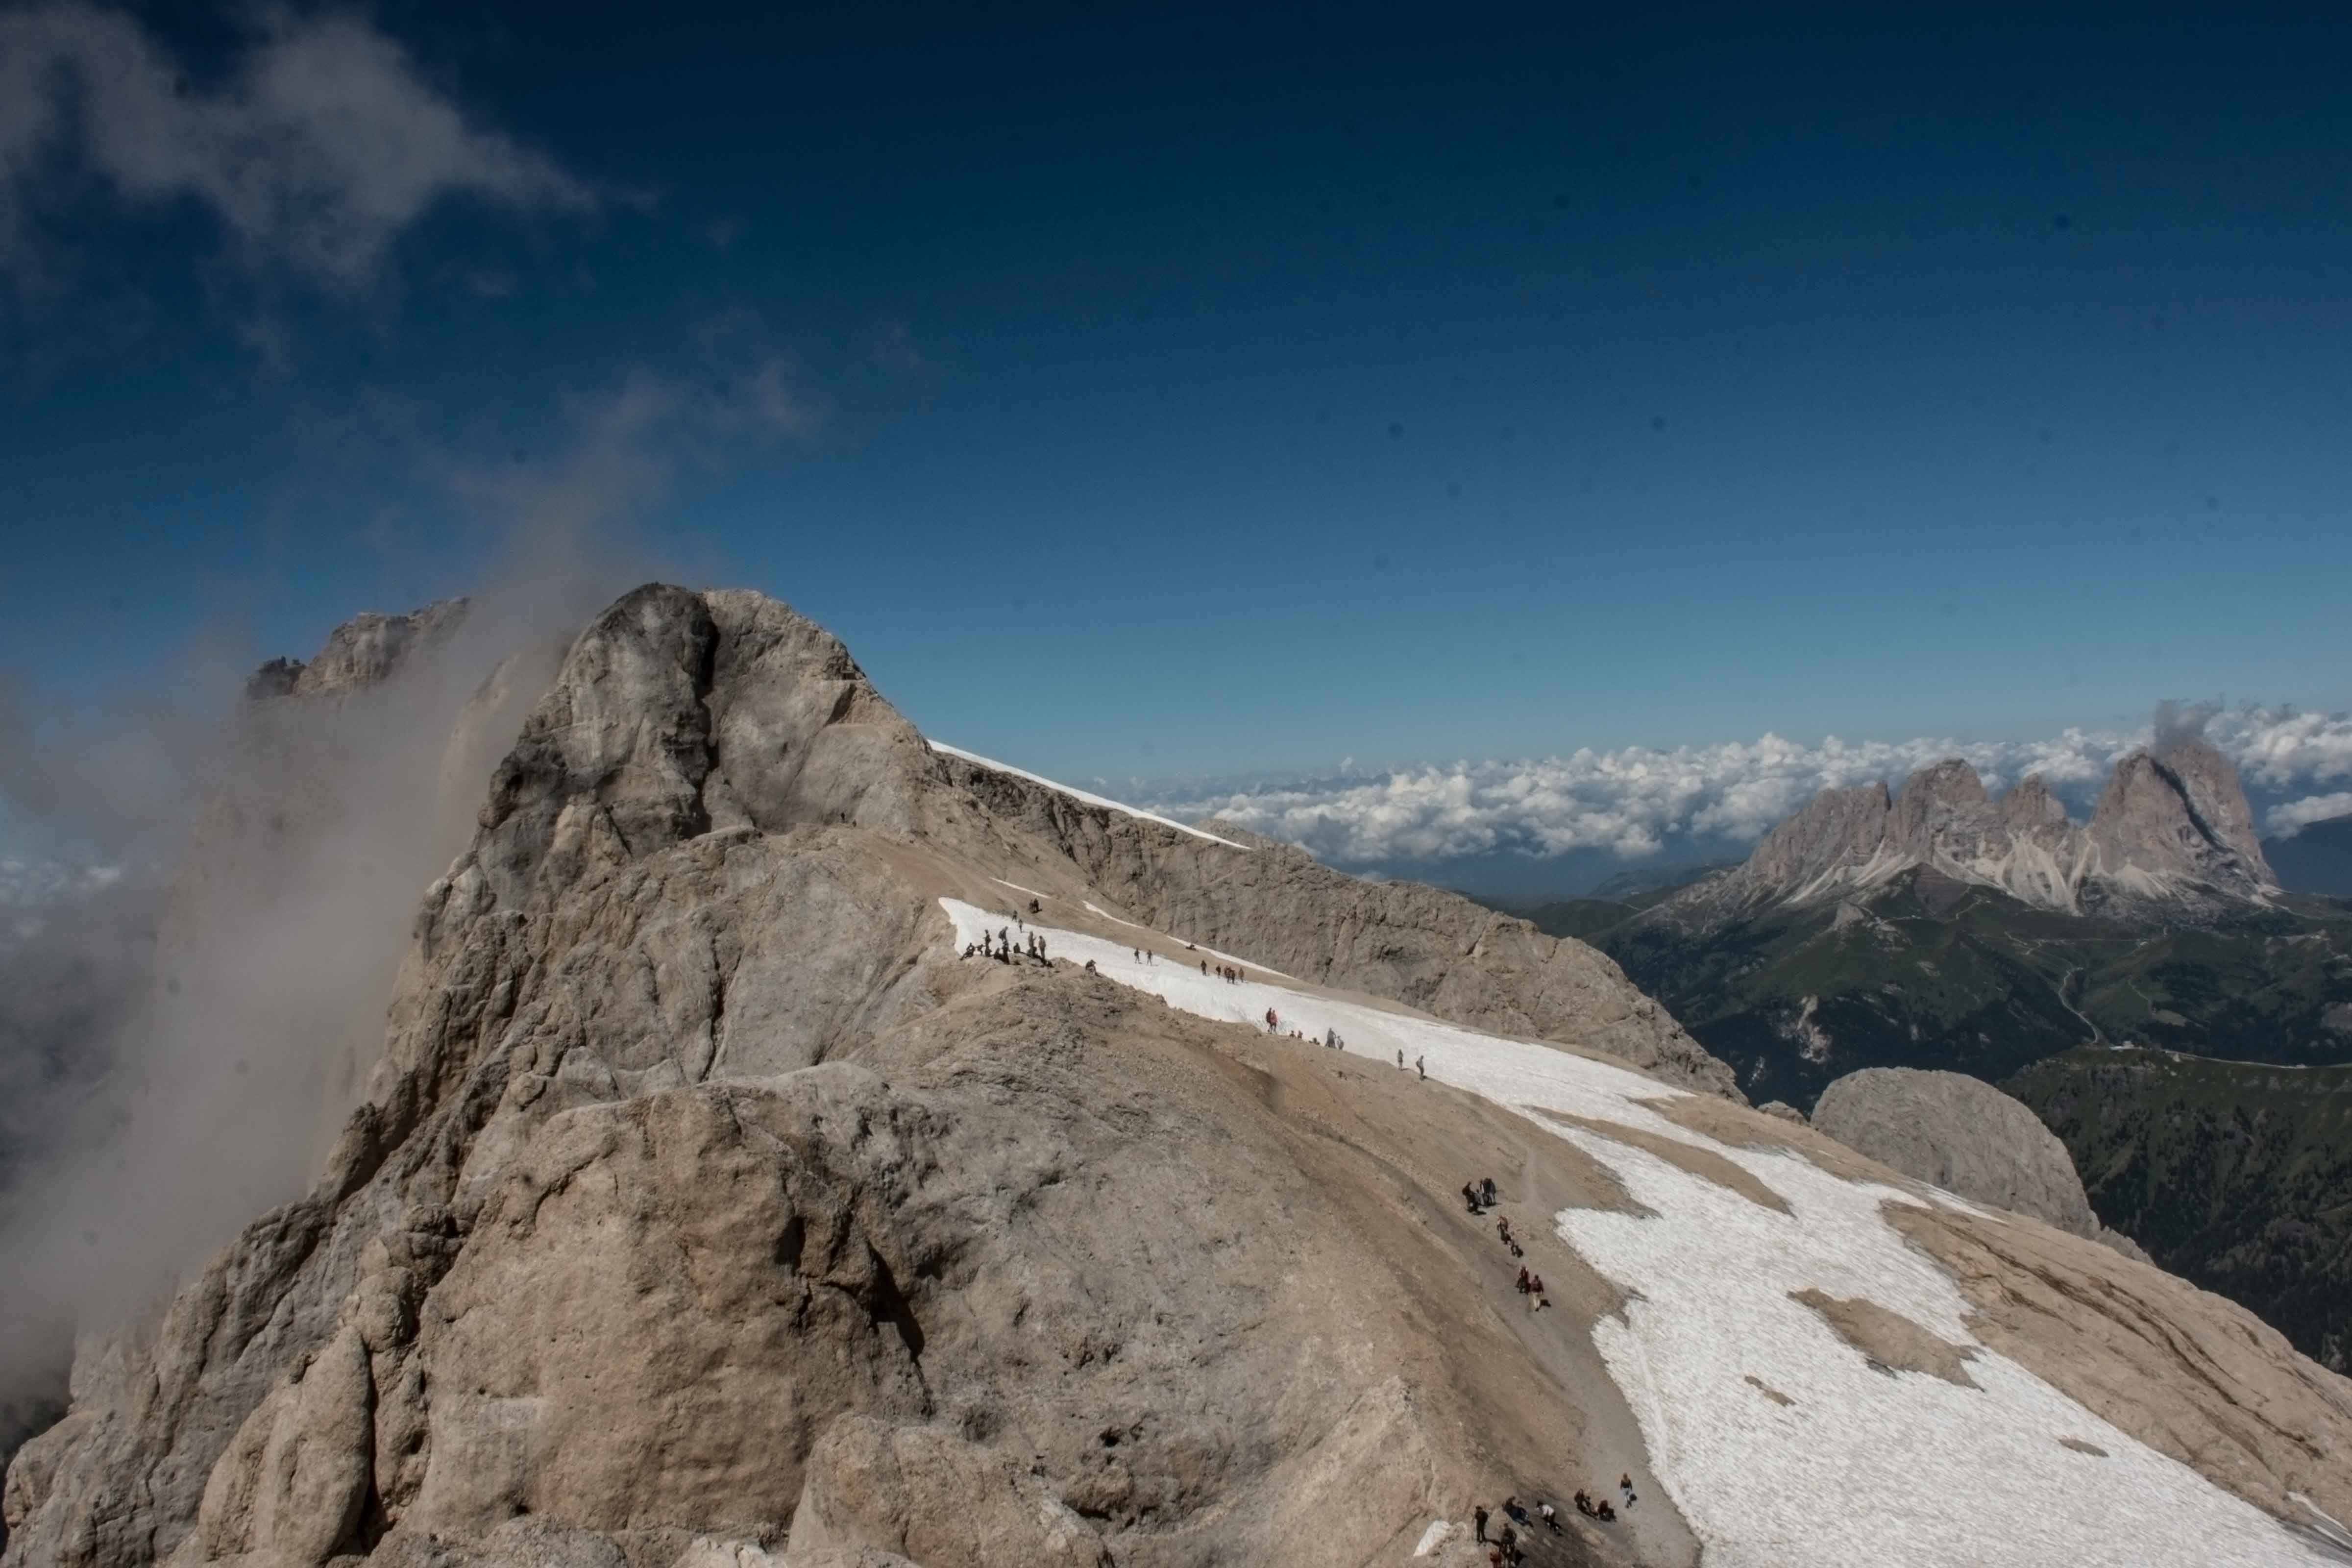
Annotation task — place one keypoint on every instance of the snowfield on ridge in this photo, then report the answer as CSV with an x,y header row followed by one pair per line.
x,y
1854,1464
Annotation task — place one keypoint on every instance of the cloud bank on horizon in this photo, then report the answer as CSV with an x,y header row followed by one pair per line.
x,y
1639,803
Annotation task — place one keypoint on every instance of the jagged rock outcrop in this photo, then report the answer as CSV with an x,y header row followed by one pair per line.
x,y
360,652
2176,824
2173,829
1966,1137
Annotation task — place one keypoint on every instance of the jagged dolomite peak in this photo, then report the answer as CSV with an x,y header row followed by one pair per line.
x,y
2170,830
362,651
2171,825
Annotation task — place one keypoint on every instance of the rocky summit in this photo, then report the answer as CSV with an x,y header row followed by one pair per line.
x,y
796,1142
2172,832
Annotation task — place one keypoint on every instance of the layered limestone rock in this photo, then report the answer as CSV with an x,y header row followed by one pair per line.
x,y
2173,829
1966,1136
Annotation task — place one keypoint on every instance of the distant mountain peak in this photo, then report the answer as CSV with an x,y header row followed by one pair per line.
x,y
360,652
2173,828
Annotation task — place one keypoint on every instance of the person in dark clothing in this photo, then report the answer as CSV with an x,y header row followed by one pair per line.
x,y
1523,1280
1584,1505
1490,1192
1470,1196
1503,1226
1625,1485
1479,1514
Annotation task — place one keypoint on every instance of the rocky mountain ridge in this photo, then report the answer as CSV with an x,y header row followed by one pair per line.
x,y
2172,831
711,1202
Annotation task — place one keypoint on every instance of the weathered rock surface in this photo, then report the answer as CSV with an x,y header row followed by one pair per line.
x,y
1966,1137
1963,1135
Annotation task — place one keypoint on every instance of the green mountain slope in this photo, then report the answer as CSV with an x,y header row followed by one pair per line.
x,y
1933,973
2234,1175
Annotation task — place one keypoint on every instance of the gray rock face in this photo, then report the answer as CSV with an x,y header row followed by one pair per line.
x,y
2171,830
361,652
1961,1134
1839,829
2177,823
367,649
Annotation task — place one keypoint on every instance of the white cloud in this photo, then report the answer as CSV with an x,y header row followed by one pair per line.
x,y
319,147
2292,817
1639,802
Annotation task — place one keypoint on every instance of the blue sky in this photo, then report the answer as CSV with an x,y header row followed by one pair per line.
x,y
1210,392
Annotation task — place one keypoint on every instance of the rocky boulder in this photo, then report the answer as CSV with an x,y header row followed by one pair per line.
x,y
1968,1137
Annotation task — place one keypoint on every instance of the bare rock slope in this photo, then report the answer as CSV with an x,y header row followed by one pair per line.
x,y
1966,1136
706,1210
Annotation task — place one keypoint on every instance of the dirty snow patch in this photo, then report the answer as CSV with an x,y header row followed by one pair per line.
x,y
1081,795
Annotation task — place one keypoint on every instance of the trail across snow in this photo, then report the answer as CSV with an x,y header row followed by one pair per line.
x,y
1080,795
1864,1467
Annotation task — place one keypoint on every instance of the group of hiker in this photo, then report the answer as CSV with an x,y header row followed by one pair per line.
x,y
1519,1516
1531,1285
998,944
1480,1197
1330,1040
1600,1509
1504,1547
1225,971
